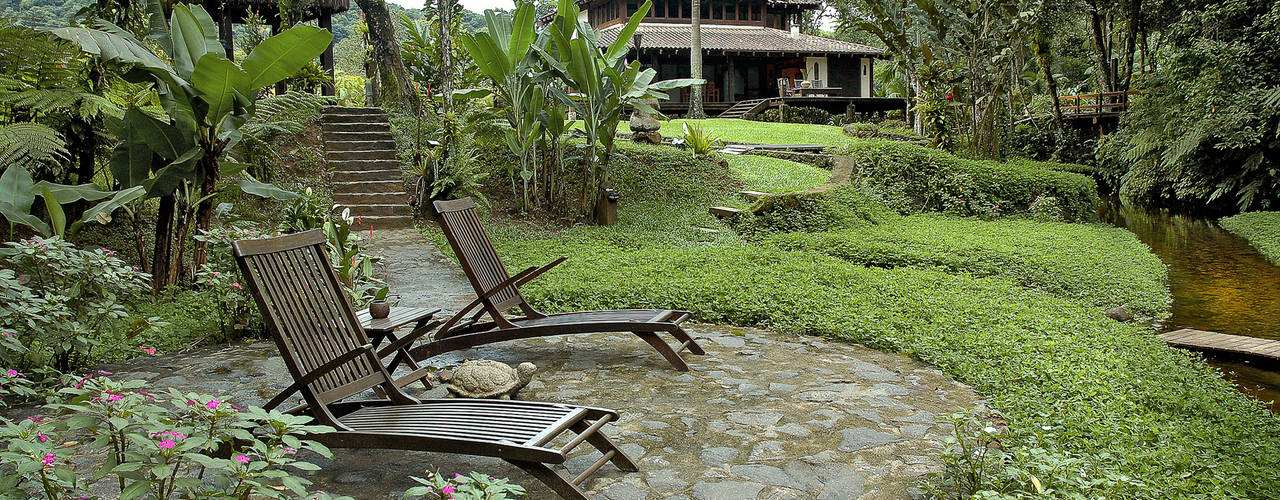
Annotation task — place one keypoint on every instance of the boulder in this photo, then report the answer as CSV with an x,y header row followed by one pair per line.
x,y
645,122
1118,313
649,137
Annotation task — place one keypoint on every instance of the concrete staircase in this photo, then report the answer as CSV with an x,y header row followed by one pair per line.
x,y
366,172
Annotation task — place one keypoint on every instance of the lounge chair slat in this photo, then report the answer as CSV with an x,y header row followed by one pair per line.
x,y
322,342
582,436
605,458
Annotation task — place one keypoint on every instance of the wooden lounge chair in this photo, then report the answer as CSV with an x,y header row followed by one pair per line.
x,y
496,292
332,360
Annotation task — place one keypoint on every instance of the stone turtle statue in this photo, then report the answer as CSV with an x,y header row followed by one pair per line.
x,y
485,378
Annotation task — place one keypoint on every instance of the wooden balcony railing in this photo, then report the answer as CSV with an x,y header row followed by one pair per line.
x,y
1094,104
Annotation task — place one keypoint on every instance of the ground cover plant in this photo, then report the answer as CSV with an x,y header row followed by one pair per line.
x,y
762,173
914,178
1260,229
1094,407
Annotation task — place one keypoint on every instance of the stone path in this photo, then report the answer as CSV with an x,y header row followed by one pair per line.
x,y
762,416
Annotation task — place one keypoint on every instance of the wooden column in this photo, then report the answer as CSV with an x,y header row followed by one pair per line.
x,y
326,58
729,90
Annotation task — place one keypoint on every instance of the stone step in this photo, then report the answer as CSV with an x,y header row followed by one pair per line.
x,y
382,154
357,176
401,208
752,195
352,110
357,127
383,222
358,136
353,119
378,198
362,145
385,185
724,212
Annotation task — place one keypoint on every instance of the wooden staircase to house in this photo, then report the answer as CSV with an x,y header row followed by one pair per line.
x,y
366,171
745,109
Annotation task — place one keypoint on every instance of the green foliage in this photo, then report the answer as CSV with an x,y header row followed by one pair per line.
x,y
915,178
845,207
1205,130
277,118
862,130
72,302
1260,229
155,446
474,486
699,141
1097,265
355,267
18,193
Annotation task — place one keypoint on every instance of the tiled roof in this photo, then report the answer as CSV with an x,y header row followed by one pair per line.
x,y
737,39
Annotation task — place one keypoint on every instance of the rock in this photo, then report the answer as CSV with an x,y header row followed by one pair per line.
x,y
861,438
649,137
766,474
727,490
645,122
624,491
1119,313
718,456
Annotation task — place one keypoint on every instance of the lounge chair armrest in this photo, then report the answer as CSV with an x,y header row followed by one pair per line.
x,y
409,339
541,270
320,371
448,325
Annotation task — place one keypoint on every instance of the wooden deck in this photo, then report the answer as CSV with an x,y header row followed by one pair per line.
x,y
1215,342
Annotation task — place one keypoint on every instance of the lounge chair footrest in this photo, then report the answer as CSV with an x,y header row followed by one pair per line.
x,y
684,346
586,433
608,455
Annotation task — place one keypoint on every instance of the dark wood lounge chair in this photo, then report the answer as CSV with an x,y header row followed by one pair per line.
x,y
497,292
331,360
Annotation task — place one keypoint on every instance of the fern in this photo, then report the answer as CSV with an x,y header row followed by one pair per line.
x,y
30,144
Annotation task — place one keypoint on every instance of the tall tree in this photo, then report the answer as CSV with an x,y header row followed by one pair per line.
x,y
393,81
695,62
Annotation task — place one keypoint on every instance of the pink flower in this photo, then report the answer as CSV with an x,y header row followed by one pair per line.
x,y
236,408
237,285
216,274
35,419
13,373
212,404
43,438
147,394
166,444
49,458
242,459
104,372
448,489
151,351
190,402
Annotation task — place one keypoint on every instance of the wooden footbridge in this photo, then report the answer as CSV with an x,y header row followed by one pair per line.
x,y
1099,110
1221,343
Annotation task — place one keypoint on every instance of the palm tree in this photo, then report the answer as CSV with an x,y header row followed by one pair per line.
x,y
695,63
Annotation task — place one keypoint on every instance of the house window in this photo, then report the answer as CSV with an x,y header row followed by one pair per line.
x,y
755,11
631,8
706,9
730,11
717,10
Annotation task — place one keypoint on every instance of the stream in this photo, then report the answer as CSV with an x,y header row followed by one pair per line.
x,y
1218,281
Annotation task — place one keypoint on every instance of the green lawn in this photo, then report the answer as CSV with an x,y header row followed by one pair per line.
x,y
731,129
1260,229
1095,408
774,175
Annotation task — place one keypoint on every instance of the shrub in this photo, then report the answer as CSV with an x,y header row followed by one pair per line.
x,y
63,303
915,178
1260,229
842,207
475,486
862,129
1101,266
160,446
796,114
699,141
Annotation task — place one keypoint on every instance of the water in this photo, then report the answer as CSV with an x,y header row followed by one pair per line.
x,y
1218,281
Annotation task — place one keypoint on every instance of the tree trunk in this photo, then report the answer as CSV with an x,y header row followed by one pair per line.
x,y
1134,24
392,79
695,62
204,211
1044,56
1105,79
162,255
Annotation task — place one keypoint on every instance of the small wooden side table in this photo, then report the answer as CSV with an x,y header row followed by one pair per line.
x,y
384,329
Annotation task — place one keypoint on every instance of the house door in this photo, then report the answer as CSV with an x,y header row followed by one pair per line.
x,y
864,84
815,69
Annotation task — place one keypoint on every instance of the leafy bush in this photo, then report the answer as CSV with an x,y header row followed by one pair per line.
x,y
179,446
1097,265
862,129
1260,229
475,486
842,207
63,303
1066,144
699,141
915,178
796,114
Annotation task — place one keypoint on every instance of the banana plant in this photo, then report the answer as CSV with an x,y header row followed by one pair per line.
x,y
604,83
18,193
503,53
206,96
